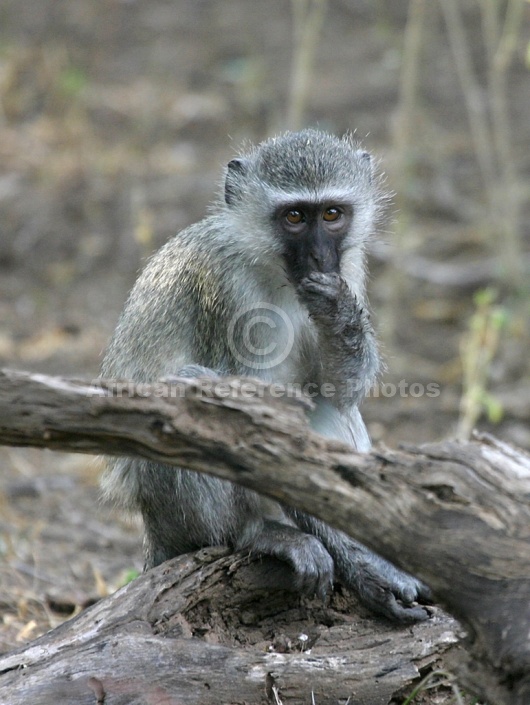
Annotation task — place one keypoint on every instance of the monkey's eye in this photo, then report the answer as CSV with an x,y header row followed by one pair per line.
x,y
294,217
331,214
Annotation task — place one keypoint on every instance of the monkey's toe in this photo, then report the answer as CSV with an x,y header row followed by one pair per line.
x,y
390,592
408,589
425,595
310,562
312,565
405,614
396,605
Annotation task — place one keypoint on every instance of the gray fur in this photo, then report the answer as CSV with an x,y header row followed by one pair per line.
x,y
186,315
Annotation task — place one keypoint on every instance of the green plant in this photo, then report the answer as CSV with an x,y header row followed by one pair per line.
x,y
478,349
129,576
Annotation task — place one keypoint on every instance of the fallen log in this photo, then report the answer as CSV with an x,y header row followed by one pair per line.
x,y
206,629
455,514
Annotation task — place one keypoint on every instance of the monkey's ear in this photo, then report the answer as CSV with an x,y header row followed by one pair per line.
x,y
367,162
236,171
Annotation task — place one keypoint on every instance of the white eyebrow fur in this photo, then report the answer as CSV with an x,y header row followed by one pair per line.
x,y
281,197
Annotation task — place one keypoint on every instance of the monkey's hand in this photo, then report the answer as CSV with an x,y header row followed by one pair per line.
x,y
346,338
387,590
330,301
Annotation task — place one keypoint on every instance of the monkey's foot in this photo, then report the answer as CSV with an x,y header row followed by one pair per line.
x,y
312,564
390,592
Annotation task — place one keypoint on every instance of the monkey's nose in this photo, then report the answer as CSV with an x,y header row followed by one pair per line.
x,y
322,261
315,261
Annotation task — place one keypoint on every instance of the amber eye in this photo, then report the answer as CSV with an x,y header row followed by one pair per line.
x,y
331,214
294,217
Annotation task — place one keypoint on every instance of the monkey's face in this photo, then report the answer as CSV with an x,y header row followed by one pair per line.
x,y
312,236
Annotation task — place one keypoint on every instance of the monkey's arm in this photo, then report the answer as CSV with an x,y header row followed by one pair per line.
x,y
350,361
349,356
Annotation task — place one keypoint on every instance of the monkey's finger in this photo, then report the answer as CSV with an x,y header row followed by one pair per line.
x,y
331,289
322,305
324,278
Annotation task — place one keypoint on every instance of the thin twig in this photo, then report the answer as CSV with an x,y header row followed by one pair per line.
x,y
308,16
406,122
478,122
509,202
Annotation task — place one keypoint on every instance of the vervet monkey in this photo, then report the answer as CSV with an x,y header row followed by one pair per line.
x,y
270,285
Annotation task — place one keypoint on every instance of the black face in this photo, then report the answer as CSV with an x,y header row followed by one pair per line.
x,y
312,235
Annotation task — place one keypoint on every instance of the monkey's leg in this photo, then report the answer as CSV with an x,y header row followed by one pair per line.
x,y
184,511
380,585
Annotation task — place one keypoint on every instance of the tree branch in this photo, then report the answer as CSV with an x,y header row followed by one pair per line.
x,y
455,514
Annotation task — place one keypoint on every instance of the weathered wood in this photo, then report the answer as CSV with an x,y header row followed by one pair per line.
x,y
455,514
195,631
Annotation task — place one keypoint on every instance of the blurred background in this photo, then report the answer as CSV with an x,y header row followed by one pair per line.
x,y
116,118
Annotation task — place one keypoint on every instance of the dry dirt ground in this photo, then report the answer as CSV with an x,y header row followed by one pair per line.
x,y
115,120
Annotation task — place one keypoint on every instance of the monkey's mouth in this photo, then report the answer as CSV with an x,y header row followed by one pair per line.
x,y
296,272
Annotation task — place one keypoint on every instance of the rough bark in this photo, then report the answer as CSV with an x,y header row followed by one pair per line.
x,y
455,514
201,630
